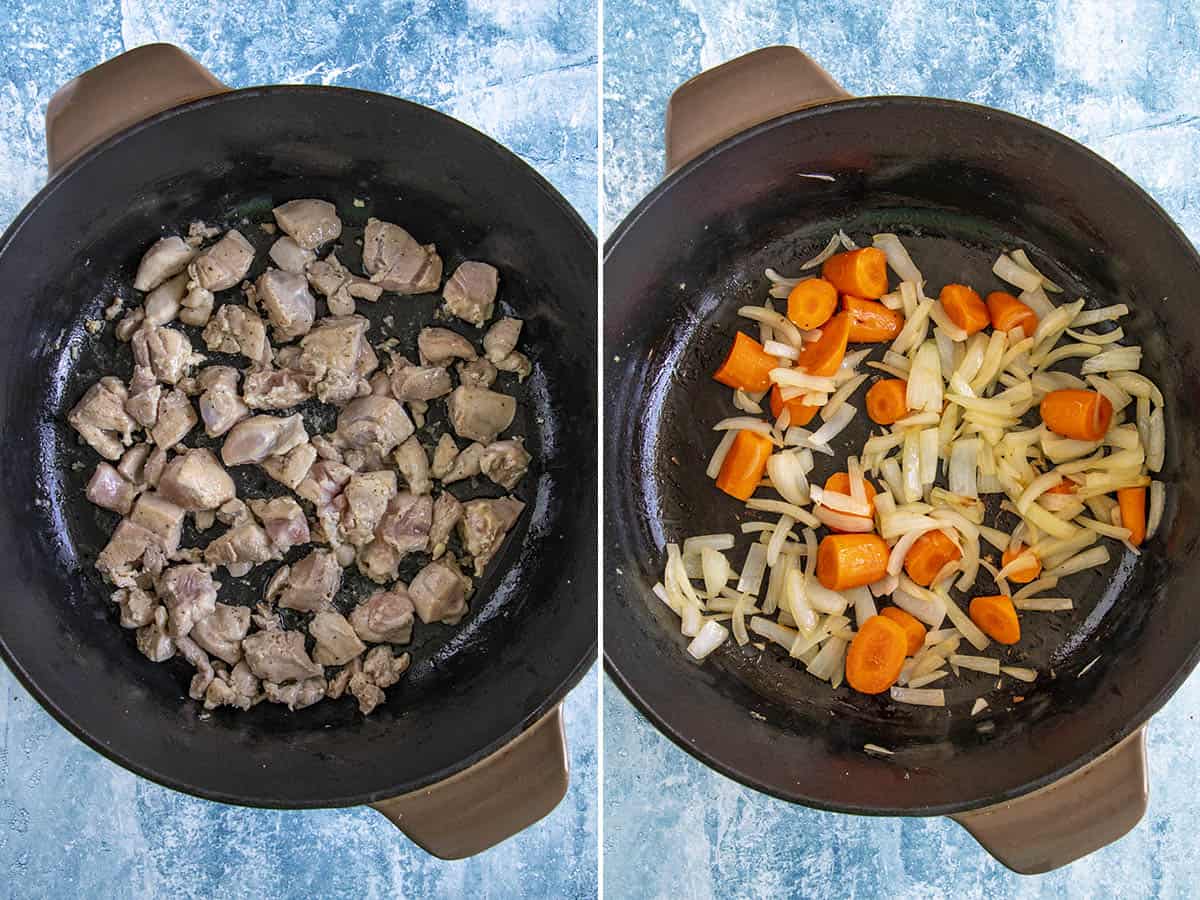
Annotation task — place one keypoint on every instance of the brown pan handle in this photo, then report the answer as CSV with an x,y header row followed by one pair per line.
x,y
1066,820
121,92
739,94
491,801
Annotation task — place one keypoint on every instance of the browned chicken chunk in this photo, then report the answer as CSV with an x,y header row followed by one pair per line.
x,y
385,617
101,419
289,305
477,414
484,525
221,632
337,643
470,293
256,438
189,594
279,656
439,594
223,264
311,583
396,262
194,480
441,346
110,489
166,257
310,223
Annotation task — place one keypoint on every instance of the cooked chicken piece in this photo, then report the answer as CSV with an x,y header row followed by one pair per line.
x,y
144,395
276,388
290,256
441,346
223,264
501,339
220,406
290,468
236,688
518,363
133,463
296,695
101,420
167,351
279,656
337,354
240,549
192,652
478,373
484,525
382,669
384,617
505,462
289,305
439,594
396,262
125,549
137,606
175,419
310,223
166,257
156,462
367,497
323,482
110,489
221,632
413,464
283,520
196,307
379,561
235,512
381,385
337,643
130,323
406,523
366,692
154,642
326,448
409,382
204,519
447,512
237,329
160,517
339,286
336,686
162,304
194,480
189,594
466,464
373,422
478,414
312,583
444,455
470,293
256,438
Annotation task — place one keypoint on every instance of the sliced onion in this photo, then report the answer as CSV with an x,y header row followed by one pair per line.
x,y
777,538
1051,327
1036,488
1044,604
840,502
924,391
1156,441
914,329
1103,314
773,631
750,581
1104,528
964,467
711,636
797,378
1008,270
1020,673
931,612
993,355
1037,301
978,706
945,324
718,457
1090,337
929,457
911,458
692,620
716,570
830,249
782,325
830,660
788,477
846,240
902,546
823,599
841,395
847,522
795,597
1088,559
1118,359
898,258
884,586
693,545
1021,258
779,349
743,423
1034,587
919,696
985,664
781,508
966,627
834,425
1157,505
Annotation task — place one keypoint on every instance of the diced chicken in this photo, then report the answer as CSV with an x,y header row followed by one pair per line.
x,y
166,257
368,694
501,339
221,632
439,593
189,594
176,418
156,462
310,223
409,382
194,654
256,438
336,685
283,520
290,256
101,419
167,351
466,464
311,584
413,464
289,305
196,307
337,354
379,561
367,497
235,512
447,511
133,463
478,414
223,264
323,482
237,329
130,323
144,395
484,525
240,549
276,388
339,286
396,262
290,468
337,643
478,373
160,517
444,455
279,656
110,489
239,688
375,422
296,695
124,550
137,606
441,346
384,617
382,669
470,293
162,304
195,480
517,363
405,525
505,462
153,641
220,406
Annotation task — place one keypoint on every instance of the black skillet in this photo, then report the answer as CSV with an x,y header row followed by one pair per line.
x,y
469,748
959,183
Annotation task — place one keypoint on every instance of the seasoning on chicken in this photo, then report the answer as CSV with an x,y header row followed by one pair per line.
x,y
194,480
323,482
517,363
133,463
276,388
339,286
238,687
310,223
396,262
337,355
478,373
279,656
337,643
153,641
478,414
109,489
256,438
296,695
101,419
220,406
166,351
196,307
240,549
466,464
156,462
413,464
409,382
236,329
311,584
137,606
444,455
447,511
379,561
221,632
175,419
384,617
290,468
189,594
223,264
289,305
367,496
166,257
375,422
505,462
484,525
501,339
125,549
382,668
283,520
470,293
439,593
160,517
290,256
441,346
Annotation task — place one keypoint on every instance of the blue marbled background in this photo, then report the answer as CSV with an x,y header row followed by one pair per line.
x,y
1121,78
71,823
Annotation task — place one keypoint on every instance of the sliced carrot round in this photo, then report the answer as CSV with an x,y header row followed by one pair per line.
x,y
965,308
801,412
1027,571
824,355
748,366
870,321
913,629
847,561
928,555
811,303
860,273
1080,415
876,655
1007,313
745,464
997,618
1132,502
887,401
839,483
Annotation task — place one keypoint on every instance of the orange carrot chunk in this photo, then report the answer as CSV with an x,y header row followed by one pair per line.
x,y
997,618
1066,486
860,273
847,561
839,483
744,464
870,321
824,355
886,401
965,308
1080,415
801,412
1029,569
913,629
747,366
876,655
1133,513
928,555
1007,313
811,303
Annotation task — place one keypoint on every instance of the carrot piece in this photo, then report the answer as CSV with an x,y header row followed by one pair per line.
x,y
839,482
870,321
928,555
1080,415
744,464
802,413
862,273
811,303
965,308
1133,513
824,355
847,561
1066,486
1027,571
913,629
1007,312
887,401
876,655
747,366
997,618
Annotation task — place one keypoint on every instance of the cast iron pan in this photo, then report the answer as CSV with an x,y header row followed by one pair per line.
x,y
958,183
229,159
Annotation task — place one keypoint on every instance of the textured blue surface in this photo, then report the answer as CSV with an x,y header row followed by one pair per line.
x,y
71,823
1121,78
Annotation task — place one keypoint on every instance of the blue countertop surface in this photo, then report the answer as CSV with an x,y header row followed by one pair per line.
x,y
73,824
1121,78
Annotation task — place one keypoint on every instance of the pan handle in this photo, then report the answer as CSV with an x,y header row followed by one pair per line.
x,y
119,93
739,94
492,800
1066,820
